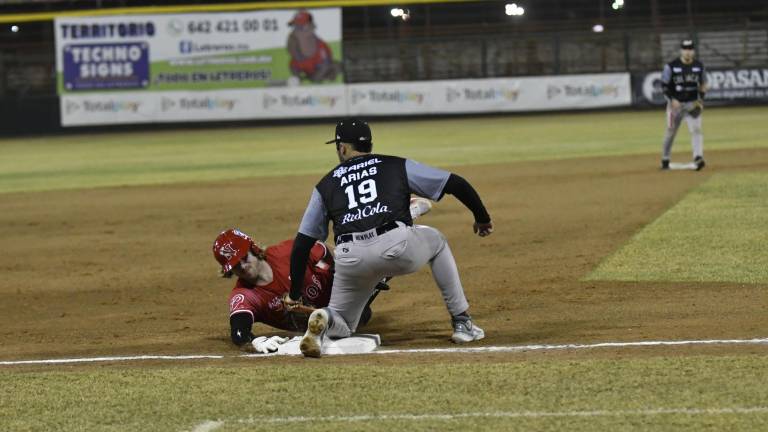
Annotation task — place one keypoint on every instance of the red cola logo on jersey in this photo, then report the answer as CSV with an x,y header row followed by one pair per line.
x,y
365,212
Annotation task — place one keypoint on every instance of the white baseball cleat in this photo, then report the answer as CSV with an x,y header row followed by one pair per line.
x,y
312,343
466,331
420,207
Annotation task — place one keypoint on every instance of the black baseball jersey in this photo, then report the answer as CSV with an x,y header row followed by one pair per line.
x,y
368,191
682,81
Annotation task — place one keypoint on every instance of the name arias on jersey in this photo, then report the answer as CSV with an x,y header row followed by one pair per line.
x,y
350,174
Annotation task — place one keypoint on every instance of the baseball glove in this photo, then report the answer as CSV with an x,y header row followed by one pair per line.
x,y
298,306
697,108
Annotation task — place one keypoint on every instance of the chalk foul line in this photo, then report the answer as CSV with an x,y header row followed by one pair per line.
x,y
451,350
523,348
211,425
109,359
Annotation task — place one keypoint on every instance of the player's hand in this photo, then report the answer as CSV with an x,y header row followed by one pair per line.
x,y
265,345
483,229
675,104
289,303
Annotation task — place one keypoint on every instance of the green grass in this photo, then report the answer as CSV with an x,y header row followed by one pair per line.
x,y
717,233
252,396
155,157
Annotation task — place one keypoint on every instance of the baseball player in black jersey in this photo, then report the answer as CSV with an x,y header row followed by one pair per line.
x,y
367,198
684,83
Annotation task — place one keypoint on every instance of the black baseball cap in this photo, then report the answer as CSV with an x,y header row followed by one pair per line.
x,y
352,130
687,44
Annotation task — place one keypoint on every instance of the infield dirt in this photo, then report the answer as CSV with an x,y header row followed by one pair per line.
x,y
129,270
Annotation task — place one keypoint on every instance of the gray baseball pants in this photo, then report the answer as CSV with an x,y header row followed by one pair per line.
x,y
674,118
360,264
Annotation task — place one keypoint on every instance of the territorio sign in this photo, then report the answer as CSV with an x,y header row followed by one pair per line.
x,y
191,52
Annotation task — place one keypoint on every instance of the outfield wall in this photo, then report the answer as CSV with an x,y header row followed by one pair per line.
x,y
372,99
276,64
235,65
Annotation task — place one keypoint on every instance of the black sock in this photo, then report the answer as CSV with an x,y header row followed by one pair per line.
x,y
464,316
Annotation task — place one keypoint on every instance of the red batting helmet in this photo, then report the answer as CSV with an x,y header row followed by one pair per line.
x,y
231,246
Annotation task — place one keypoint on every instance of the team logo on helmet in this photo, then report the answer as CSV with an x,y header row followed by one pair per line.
x,y
227,251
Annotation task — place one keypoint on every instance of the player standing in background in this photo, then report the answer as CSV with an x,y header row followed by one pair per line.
x,y
367,198
684,83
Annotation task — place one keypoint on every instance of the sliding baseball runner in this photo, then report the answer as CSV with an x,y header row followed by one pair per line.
x,y
263,279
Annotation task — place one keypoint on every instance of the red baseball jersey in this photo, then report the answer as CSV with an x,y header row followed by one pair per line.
x,y
264,302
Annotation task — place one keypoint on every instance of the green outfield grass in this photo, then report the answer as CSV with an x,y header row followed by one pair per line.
x,y
717,233
575,395
153,157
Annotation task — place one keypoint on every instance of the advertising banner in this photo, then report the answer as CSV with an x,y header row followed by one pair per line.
x,y
533,93
109,108
491,95
392,98
725,86
207,51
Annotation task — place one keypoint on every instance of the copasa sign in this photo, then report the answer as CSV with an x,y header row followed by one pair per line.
x,y
725,85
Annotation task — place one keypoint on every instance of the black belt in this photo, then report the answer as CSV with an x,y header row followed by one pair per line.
x,y
344,238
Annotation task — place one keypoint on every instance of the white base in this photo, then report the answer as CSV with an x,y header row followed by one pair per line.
x,y
682,166
356,344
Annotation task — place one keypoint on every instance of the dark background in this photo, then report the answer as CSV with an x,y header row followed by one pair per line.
x,y
440,41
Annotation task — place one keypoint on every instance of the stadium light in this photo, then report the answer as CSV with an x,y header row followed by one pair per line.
x,y
15,28
598,28
401,13
512,9
617,4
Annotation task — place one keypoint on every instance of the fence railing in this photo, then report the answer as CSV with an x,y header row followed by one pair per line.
x,y
27,69
501,55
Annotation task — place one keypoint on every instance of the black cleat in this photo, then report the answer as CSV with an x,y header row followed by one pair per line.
x,y
366,316
665,164
700,164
